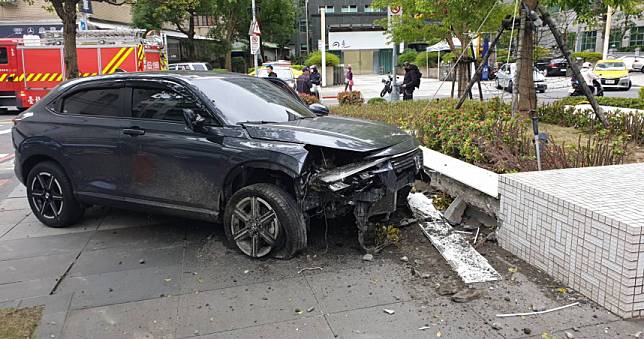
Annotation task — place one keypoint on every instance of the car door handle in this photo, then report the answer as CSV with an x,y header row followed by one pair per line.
x,y
133,131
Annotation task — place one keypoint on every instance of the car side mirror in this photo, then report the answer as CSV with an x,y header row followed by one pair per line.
x,y
319,109
193,120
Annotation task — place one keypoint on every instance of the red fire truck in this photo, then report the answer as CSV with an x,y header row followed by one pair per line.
x,y
32,66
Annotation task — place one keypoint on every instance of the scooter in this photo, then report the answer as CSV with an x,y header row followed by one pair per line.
x,y
576,89
388,87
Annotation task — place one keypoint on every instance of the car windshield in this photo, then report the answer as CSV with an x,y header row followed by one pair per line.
x,y
200,67
610,66
248,99
282,73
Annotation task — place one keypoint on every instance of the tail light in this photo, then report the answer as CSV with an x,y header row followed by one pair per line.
x,y
22,94
552,65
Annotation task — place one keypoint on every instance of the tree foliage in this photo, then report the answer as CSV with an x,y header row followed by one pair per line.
x,y
277,20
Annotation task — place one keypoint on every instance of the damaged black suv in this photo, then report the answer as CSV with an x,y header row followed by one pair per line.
x,y
219,147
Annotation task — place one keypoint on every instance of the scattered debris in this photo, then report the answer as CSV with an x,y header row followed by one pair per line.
x,y
167,279
496,326
569,335
527,331
309,269
298,311
538,308
462,232
447,289
310,309
246,271
141,261
422,328
418,262
478,229
454,213
388,311
535,313
637,334
404,259
466,295
368,257
439,333
513,269
406,222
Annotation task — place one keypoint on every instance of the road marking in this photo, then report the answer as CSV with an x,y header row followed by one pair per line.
x,y
5,131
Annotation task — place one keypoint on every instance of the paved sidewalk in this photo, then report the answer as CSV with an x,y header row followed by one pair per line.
x,y
125,274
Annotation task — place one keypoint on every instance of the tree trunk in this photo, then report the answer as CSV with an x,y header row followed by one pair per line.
x,y
527,95
228,61
67,13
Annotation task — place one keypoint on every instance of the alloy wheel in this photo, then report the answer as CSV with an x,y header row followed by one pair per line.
x,y
254,226
47,195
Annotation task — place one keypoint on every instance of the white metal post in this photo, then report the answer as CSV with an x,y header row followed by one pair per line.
x,y
395,94
255,55
306,17
323,51
609,16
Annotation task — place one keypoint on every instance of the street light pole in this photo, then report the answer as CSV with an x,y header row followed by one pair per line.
x,y
323,47
609,17
255,55
306,17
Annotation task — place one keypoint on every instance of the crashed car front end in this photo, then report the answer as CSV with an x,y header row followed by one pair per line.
x,y
368,187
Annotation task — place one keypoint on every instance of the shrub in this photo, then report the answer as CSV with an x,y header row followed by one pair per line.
x,y
308,99
540,52
297,67
642,93
588,56
315,58
485,134
409,55
376,101
448,57
350,98
427,58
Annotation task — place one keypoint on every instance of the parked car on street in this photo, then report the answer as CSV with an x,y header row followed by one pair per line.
x,y
506,75
284,73
557,67
613,74
633,63
190,66
214,146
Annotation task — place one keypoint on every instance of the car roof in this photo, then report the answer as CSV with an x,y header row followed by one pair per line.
x,y
609,61
155,75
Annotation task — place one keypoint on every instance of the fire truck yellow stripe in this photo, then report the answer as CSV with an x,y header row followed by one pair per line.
x,y
3,76
53,77
60,77
30,76
93,74
125,55
20,77
111,63
44,77
37,77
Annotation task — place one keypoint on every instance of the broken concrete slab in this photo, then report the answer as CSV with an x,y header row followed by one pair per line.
x,y
470,265
454,213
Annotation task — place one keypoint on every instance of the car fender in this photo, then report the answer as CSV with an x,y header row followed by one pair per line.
x,y
41,146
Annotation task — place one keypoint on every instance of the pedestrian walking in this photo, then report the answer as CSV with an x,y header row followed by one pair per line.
x,y
348,80
411,80
316,81
270,71
303,83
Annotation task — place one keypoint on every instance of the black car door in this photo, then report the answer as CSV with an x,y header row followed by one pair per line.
x,y
165,163
89,130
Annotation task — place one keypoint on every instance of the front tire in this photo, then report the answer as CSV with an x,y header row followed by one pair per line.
x,y
498,86
263,219
51,196
509,88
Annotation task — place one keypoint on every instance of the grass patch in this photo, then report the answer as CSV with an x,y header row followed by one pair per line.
x,y
19,323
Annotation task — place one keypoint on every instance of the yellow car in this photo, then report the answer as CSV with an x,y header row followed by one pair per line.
x,y
613,74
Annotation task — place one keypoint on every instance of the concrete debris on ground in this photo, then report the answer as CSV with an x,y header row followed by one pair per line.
x,y
470,265
367,257
388,311
467,294
454,213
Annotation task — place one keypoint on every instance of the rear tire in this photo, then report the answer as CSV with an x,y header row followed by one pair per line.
x,y
509,88
498,86
263,219
383,92
51,196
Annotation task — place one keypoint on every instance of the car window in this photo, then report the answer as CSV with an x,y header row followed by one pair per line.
x,y
4,58
199,67
99,102
252,99
611,66
160,104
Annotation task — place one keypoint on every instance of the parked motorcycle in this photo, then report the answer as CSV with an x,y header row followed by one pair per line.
x,y
388,88
576,89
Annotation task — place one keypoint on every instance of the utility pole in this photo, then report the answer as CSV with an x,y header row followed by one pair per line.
x,y
255,55
323,47
395,94
609,19
518,74
306,17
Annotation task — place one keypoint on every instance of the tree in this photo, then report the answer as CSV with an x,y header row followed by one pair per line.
x,y
277,20
66,11
445,19
153,14
231,19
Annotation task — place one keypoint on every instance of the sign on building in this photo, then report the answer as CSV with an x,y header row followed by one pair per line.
x,y
346,41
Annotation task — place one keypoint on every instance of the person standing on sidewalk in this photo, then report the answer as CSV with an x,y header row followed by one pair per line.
x,y
271,74
411,80
303,82
348,80
316,81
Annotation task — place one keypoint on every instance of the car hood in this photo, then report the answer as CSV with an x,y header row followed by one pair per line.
x,y
332,132
611,74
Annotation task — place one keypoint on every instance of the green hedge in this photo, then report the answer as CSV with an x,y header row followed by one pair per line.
x,y
315,58
409,55
588,56
424,58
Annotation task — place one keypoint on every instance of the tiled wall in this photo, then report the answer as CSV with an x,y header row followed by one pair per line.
x,y
584,227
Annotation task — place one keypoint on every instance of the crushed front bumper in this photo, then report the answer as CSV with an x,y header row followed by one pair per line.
x,y
371,188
